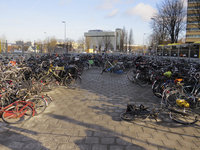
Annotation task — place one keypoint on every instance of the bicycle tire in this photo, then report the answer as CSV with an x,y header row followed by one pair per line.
x,y
8,116
48,98
157,89
129,116
171,96
40,104
131,75
46,80
72,82
182,115
140,79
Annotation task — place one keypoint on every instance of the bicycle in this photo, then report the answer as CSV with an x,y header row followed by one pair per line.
x,y
61,75
17,112
137,113
116,67
184,108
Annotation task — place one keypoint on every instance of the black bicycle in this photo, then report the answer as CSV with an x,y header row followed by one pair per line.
x,y
136,113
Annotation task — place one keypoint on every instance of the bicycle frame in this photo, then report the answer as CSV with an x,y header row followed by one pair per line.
x,y
17,103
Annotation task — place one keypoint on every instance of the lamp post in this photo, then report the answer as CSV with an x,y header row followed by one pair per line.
x,y
143,43
46,40
65,36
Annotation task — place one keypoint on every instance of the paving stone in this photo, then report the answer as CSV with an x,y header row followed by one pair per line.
x,y
99,147
85,133
172,136
81,146
143,135
188,144
91,140
107,140
123,141
115,147
171,144
65,146
15,145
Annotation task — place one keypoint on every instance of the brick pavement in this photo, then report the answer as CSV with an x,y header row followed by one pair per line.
x,y
88,119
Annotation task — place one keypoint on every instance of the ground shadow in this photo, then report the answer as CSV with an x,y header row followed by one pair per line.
x,y
99,136
12,138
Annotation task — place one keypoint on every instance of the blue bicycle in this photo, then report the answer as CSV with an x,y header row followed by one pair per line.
x,y
115,67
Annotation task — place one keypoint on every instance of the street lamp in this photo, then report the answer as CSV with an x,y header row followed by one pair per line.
x,y
65,36
46,40
143,42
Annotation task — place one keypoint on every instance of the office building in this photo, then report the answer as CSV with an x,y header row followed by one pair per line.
x,y
193,21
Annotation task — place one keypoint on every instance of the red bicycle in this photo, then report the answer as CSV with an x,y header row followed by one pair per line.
x,y
17,112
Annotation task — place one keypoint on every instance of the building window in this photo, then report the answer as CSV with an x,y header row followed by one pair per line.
x,y
189,22
192,15
191,1
193,36
192,8
193,29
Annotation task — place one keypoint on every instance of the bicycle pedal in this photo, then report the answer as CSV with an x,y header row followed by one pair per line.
x,y
142,107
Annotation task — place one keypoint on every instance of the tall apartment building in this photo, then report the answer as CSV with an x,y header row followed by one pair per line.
x,y
97,39
193,21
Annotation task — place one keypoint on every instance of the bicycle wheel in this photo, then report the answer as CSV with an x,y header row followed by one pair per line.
x,y
12,116
47,98
46,80
131,75
72,82
36,87
40,104
171,96
183,115
130,116
157,89
127,116
53,85
141,79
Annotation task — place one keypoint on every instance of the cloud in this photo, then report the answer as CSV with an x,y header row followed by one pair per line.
x,y
108,4
92,19
145,12
16,21
65,2
113,13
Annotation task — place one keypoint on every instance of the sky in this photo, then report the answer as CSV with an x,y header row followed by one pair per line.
x,y
30,20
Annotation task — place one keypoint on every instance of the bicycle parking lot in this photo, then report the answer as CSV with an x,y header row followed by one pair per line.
x,y
88,118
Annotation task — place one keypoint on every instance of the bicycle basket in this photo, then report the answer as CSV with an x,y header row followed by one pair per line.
x,y
168,74
91,62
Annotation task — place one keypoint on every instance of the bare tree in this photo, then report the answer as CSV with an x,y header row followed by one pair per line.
x,y
194,13
124,40
88,42
106,42
159,31
99,42
53,43
70,44
171,13
130,39
81,43
3,41
40,45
